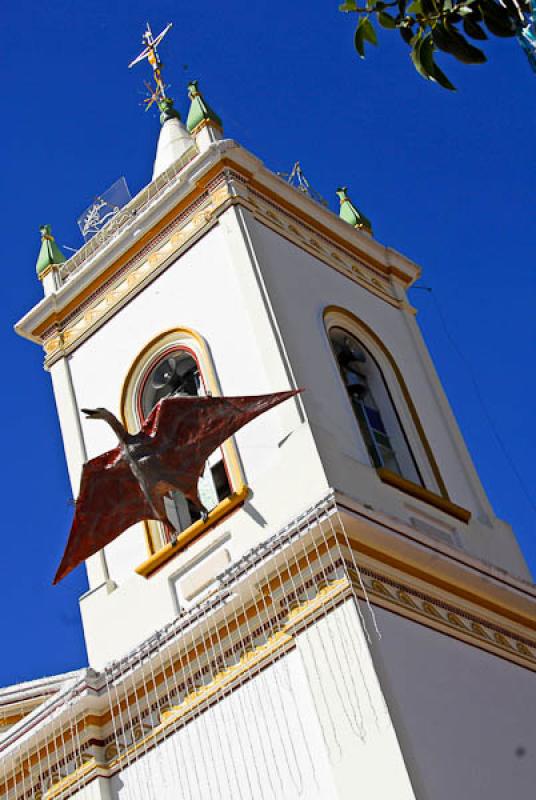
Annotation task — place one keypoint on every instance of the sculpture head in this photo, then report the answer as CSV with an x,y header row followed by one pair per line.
x,y
96,413
107,416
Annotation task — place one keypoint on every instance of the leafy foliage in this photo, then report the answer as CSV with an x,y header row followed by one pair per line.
x,y
427,26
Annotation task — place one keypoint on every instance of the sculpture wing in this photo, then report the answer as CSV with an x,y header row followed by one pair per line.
x,y
186,430
110,501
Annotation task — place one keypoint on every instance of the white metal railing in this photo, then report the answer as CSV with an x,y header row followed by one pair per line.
x,y
126,215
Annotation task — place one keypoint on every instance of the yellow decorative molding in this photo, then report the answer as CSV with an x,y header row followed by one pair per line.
x,y
195,343
296,231
456,622
233,183
400,599
336,316
290,225
415,490
75,777
252,659
126,285
169,551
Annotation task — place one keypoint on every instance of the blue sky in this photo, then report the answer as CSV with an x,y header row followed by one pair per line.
x,y
448,179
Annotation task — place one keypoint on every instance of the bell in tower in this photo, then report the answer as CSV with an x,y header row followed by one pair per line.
x,y
349,617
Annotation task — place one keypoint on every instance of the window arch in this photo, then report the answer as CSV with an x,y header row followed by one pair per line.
x,y
375,413
384,411
179,362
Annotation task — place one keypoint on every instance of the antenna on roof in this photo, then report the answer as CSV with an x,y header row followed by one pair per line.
x,y
297,179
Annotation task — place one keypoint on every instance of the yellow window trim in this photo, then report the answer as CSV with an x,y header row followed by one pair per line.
x,y
230,452
184,538
415,490
342,312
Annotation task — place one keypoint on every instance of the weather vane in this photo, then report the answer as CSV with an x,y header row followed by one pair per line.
x,y
150,53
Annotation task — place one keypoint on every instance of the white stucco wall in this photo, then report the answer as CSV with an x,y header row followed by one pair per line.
x,y
466,720
300,288
258,302
312,724
213,290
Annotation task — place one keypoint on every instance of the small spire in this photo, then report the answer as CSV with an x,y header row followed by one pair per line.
x,y
173,141
50,254
200,112
350,213
167,110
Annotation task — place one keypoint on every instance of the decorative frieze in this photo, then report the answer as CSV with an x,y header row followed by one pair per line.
x,y
228,188
455,620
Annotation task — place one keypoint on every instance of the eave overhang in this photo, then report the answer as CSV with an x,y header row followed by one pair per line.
x,y
190,188
450,572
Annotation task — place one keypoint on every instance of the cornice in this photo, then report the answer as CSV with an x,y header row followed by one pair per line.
x,y
450,618
394,547
343,555
186,209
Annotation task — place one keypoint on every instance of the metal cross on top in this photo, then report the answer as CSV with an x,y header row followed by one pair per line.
x,y
151,54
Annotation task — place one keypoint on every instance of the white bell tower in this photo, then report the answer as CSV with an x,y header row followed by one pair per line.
x,y
357,498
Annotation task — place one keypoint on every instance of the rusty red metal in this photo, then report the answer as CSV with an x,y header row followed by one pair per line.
x,y
128,484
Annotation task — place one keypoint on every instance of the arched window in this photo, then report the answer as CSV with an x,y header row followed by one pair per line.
x,y
176,372
385,413
376,415
176,363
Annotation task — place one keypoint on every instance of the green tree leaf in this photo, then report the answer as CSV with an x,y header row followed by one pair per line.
x,y
442,80
386,20
448,25
415,56
473,29
406,33
359,38
422,55
369,32
497,20
426,54
447,38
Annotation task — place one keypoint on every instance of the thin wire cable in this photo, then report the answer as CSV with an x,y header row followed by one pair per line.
x,y
152,750
244,696
198,684
256,677
275,660
273,625
137,761
235,648
210,657
357,603
193,719
342,639
480,397
171,733
189,721
79,760
108,681
231,708
182,730
305,638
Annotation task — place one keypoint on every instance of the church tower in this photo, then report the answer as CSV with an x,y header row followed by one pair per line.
x,y
351,618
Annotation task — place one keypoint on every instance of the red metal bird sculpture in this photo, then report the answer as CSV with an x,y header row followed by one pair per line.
x,y
128,484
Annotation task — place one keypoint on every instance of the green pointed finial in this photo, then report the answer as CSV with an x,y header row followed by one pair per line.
x,y
350,213
200,111
50,254
167,111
